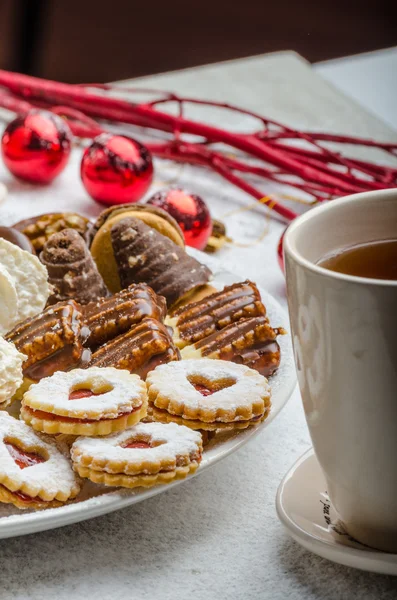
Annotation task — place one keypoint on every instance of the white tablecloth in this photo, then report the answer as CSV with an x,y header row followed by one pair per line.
x,y
217,536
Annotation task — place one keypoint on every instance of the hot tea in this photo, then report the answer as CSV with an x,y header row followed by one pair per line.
x,y
376,260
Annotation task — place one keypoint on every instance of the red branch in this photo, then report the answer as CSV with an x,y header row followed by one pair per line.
x,y
314,168
83,126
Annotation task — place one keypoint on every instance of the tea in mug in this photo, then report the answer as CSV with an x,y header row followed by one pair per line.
x,y
376,260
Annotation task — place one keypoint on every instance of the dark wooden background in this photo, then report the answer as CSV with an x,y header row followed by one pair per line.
x,y
102,40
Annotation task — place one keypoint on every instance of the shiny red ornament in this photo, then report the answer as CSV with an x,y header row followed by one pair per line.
x,y
36,147
116,169
190,212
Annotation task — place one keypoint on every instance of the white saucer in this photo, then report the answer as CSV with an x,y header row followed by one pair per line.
x,y
305,510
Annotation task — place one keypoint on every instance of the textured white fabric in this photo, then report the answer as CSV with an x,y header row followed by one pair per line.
x,y
217,536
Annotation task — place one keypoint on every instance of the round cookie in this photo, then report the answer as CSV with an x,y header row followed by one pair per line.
x,y
143,456
208,394
101,245
92,402
35,470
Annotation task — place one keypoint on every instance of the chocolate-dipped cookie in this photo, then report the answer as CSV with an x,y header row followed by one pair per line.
x,y
198,320
51,341
71,269
144,255
139,350
100,239
251,342
110,317
17,238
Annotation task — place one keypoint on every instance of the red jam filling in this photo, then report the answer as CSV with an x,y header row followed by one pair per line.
x,y
41,414
24,497
203,389
78,394
136,444
23,458
208,388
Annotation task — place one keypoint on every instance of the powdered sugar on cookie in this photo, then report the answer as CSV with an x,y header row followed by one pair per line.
x,y
209,390
53,478
114,392
167,446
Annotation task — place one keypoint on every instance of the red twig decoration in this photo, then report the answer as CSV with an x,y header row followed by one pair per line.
x,y
268,153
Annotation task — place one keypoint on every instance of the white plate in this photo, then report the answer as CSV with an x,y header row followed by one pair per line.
x,y
94,501
304,508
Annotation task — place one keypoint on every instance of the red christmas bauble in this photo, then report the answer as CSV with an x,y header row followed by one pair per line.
x,y
36,147
116,169
280,252
191,213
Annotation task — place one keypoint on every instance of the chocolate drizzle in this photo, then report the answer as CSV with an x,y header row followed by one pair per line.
x,y
139,350
251,342
109,317
52,341
200,319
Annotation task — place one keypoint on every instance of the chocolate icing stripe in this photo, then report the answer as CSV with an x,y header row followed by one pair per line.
x,y
251,342
110,317
139,350
232,303
51,340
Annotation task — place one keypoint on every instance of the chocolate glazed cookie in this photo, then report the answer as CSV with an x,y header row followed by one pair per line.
x,y
144,255
100,242
71,269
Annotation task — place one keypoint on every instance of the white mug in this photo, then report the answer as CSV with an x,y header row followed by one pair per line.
x,y
345,342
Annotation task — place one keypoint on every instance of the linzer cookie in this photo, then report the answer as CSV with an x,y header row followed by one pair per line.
x,y
139,350
52,341
10,371
251,342
35,471
143,456
144,255
40,228
109,317
85,402
71,269
208,394
198,320
101,244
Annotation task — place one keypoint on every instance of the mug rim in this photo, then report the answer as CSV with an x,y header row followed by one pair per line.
x,y
290,248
